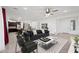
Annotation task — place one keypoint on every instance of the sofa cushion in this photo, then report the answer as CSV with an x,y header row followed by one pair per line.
x,y
39,31
30,33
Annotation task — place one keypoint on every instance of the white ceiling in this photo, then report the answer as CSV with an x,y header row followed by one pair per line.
x,y
37,12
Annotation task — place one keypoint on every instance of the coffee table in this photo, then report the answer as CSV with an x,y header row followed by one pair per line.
x,y
51,40
48,45
61,46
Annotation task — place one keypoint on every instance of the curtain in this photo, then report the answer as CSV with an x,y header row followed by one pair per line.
x,y
5,27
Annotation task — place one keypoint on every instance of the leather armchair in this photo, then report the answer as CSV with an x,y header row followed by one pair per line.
x,y
46,32
39,32
26,46
32,36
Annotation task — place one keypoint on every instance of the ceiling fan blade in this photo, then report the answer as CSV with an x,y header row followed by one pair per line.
x,y
51,14
54,10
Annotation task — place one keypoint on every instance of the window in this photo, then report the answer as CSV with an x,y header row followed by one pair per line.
x,y
73,24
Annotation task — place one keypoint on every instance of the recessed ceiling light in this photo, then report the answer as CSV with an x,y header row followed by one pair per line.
x,y
65,11
25,8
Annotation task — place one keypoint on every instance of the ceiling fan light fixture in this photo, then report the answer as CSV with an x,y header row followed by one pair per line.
x,y
47,11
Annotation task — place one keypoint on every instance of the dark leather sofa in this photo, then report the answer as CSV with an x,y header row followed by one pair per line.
x,y
30,35
46,32
39,34
26,39
27,46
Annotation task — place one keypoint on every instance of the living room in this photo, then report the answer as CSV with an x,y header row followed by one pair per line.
x,y
59,22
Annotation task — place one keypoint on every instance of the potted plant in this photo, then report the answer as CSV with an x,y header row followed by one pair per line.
x,y
76,39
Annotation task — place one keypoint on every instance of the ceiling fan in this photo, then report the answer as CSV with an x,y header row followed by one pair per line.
x,y
50,11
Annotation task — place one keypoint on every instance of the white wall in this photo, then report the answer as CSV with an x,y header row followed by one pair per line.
x,y
63,24
37,24
56,23
2,46
51,24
